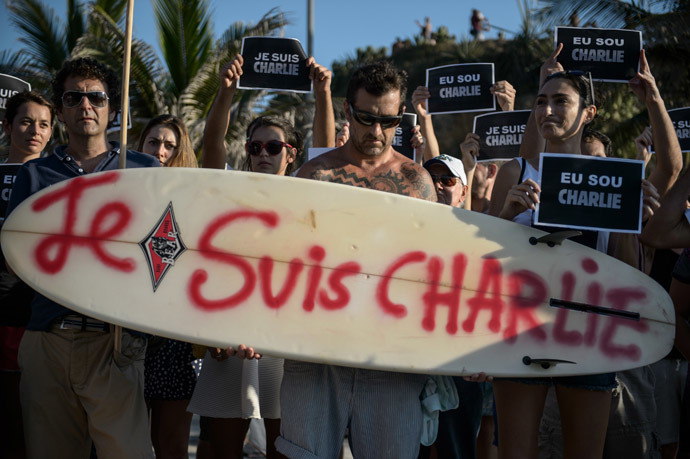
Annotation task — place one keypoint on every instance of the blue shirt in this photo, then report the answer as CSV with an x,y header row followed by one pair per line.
x,y
43,172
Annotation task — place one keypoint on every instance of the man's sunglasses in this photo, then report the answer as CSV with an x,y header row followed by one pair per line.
x,y
72,99
272,147
367,119
577,73
446,180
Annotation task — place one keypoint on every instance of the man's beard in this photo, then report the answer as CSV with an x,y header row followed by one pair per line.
x,y
370,151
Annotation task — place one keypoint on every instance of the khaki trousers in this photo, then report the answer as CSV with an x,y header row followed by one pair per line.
x,y
73,390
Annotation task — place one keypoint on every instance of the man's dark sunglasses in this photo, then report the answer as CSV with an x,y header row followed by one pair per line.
x,y
446,180
72,99
273,147
367,119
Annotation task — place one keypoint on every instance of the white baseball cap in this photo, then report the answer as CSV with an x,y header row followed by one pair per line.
x,y
453,164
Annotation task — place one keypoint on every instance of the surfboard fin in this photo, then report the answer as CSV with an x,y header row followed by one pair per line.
x,y
544,363
584,307
554,239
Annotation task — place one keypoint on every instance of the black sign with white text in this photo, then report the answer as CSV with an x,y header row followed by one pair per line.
x,y
680,117
460,88
587,192
7,174
9,86
402,142
116,123
274,63
609,54
500,134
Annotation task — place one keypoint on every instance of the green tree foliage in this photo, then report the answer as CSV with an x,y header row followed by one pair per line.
x,y
621,116
665,27
48,40
183,83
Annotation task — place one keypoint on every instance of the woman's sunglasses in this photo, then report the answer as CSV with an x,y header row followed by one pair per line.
x,y
446,180
272,147
367,119
71,99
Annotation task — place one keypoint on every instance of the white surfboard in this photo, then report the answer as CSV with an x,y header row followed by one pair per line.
x,y
331,273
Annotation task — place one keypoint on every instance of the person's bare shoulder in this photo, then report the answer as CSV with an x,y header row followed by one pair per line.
x,y
314,168
511,171
418,180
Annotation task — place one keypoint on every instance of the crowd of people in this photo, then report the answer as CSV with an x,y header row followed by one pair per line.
x,y
66,392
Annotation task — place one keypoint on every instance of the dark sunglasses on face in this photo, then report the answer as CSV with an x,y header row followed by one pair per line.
x,y
72,99
272,147
446,180
367,119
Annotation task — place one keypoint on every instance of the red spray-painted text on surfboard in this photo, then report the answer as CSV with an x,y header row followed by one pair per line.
x,y
117,213
488,295
509,312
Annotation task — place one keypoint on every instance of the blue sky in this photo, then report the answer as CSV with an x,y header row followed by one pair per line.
x,y
340,27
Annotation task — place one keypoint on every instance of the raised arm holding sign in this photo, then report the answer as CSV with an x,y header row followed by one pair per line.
x,y
669,159
219,116
419,98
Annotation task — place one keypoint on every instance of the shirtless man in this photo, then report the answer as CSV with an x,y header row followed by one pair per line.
x,y
319,402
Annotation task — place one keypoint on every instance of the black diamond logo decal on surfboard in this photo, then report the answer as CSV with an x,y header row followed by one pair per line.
x,y
162,246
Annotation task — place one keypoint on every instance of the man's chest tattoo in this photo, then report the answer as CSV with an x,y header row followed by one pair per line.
x,y
392,182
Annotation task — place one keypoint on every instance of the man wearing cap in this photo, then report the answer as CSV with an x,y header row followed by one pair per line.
x,y
449,179
457,428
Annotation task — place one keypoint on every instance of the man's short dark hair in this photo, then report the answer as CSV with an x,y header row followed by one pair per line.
x,y
592,134
377,79
21,98
87,67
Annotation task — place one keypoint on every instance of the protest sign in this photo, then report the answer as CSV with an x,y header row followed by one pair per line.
x,y
7,174
274,63
403,135
500,134
608,54
680,117
460,88
588,192
115,124
9,86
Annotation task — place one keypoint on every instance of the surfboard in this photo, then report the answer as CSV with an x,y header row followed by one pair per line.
x,y
325,272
